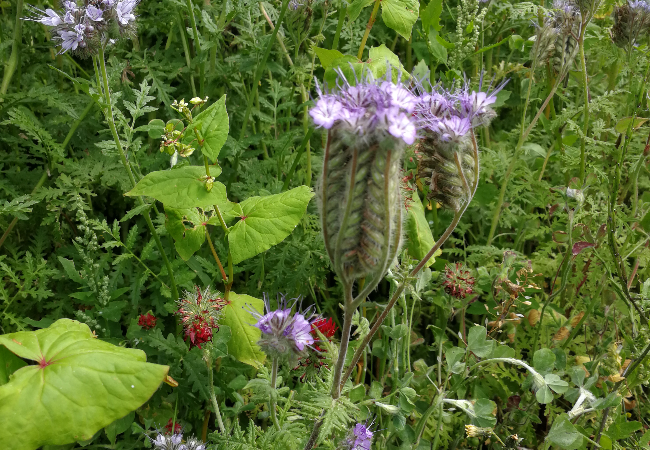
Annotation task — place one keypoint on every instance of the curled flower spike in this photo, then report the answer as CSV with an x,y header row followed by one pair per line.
x,y
200,313
82,29
369,124
631,22
284,335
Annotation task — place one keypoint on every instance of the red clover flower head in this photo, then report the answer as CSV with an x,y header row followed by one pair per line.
x,y
369,106
82,29
285,335
200,312
147,321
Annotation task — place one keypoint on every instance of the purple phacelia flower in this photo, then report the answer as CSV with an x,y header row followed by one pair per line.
x,y
124,11
475,105
359,438
49,17
70,6
369,106
71,40
94,13
175,442
452,129
285,335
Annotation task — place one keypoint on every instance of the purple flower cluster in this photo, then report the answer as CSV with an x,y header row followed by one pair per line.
x,y
285,335
81,29
369,106
175,442
452,114
359,438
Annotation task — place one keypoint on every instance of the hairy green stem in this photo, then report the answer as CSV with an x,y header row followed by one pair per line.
x,y
213,398
272,402
14,58
371,22
129,171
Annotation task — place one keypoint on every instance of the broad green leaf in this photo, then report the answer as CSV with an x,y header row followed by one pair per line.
x,y
243,344
327,57
622,429
182,188
478,343
78,385
564,434
503,351
267,221
350,67
213,125
431,15
436,47
70,269
155,128
543,360
381,58
356,6
557,384
420,238
400,15
454,357
187,228
544,395
623,124
9,363
485,411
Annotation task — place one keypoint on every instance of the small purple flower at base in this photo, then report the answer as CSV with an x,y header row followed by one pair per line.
x,y
453,129
70,40
326,112
94,14
124,10
284,335
175,442
359,438
402,127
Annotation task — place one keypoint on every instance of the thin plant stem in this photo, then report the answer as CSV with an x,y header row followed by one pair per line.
x,y
296,160
213,397
216,257
585,126
186,50
371,22
197,47
127,167
339,26
345,340
14,58
278,37
272,401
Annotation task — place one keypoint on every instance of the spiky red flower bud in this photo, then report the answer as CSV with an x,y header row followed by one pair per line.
x,y
147,321
200,313
458,281
177,427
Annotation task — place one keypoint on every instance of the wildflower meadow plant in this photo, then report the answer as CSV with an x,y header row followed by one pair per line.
x,y
452,201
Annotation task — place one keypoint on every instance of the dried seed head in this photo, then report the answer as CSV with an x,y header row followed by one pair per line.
x,y
369,124
458,281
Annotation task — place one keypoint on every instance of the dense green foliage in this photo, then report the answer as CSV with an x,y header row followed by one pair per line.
x,y
528,328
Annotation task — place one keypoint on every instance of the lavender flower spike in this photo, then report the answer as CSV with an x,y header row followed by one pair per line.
x,y
284,335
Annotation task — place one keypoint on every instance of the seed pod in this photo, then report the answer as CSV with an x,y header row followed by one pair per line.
x,y
566,19
544,46
630,22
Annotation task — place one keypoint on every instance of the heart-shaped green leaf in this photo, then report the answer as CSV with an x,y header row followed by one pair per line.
x,y
400,15
267,221
213,125
187,228
184,187
79,385
243,343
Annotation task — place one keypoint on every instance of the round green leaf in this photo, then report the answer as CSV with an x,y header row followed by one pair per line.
x,y
79,385
187,227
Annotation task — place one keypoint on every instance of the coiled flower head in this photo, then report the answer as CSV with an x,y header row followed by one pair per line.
x,y
369,124
458,281
285,335
447,164
81,29
566,19
359,438
298,20
200,312
630,22
175,442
